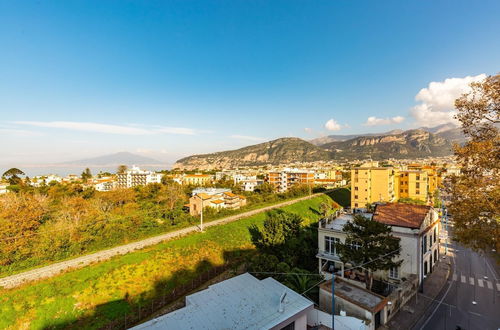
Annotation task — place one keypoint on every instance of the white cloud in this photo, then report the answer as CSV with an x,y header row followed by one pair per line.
x,y
374,121
437,101
246,137
18,132
308,130
333,125
109,129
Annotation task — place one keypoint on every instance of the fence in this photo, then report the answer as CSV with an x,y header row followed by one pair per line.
x,y
142,311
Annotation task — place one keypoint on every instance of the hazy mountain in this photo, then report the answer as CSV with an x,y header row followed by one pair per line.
x,y
448,131
280,151
416,143
335,138
119,158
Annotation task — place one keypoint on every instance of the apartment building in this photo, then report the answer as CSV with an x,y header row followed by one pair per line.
x,y
412,184
137,177
3,188
217,198
371,184
197,179
283,180
104,184
417,226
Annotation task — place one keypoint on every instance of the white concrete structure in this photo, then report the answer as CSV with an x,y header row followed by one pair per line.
x,y
104,184
241,302
417,226
3,189
137,177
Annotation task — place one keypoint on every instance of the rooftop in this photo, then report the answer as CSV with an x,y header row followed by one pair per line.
x,y
361,297
241,302
401,215
337,223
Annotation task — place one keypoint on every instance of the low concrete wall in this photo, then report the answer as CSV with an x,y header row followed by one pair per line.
x,y
400,296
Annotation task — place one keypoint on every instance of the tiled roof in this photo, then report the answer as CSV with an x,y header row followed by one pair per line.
x,y
401,215
217,201
230,194
204,196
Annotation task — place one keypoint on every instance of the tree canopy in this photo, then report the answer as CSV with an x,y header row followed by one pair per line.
x,y
475,193
370,244
12,175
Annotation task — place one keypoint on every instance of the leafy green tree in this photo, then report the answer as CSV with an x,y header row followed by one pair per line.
x,y
301,280
265,188
121,169
86,175
370,244
12,175
324,209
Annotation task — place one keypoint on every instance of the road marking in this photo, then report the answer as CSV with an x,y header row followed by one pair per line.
x,y
462,278
480,282
471,280
454,277
490,286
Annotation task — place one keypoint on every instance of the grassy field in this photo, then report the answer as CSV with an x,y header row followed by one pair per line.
x,y
92,296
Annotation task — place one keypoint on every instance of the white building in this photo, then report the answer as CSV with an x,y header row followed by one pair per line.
x,y
137,177
104,184
3,189
41,180
416,225
245,302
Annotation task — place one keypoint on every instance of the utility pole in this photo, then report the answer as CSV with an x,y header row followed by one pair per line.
x,y
201,214
333,299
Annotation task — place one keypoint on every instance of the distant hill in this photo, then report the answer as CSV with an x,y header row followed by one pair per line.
x,y
119,158
449,131
416,143
335,138
280,151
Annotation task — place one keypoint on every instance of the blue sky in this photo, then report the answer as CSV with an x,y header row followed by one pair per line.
x,y
172,78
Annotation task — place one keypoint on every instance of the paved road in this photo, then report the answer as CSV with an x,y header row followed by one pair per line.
x,y
475,279
54,269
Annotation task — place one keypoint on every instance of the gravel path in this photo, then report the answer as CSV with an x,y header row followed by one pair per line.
x,y
54,269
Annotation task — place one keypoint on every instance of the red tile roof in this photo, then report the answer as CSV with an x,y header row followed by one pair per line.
x,y
401,215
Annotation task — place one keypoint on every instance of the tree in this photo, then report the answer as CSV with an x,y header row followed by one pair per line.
x,y
324,209
475,193
370,245
12,175
265,188
86,175
121,169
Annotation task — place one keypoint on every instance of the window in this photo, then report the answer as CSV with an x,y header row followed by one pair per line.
x,y
418,192
394,273
417,185
424,244
418,177
330,245
355,196
355,188
291,326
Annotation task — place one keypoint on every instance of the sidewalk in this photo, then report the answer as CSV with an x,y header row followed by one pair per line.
x,y
409,315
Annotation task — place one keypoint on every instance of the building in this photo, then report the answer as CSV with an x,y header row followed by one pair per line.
x,y
283,180
417,226
412,184
354,301
371,184
196,179
3,188
329,183
217,198
104,184
137,177
245,302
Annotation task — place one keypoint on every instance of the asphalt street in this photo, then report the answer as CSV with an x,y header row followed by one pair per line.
x,y
470,299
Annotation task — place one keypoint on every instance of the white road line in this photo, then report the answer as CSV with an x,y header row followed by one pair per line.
x,y
454,277
462,278
490,286
480,282
471,280
491,270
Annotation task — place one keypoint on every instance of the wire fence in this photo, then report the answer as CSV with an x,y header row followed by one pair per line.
x,y
164,298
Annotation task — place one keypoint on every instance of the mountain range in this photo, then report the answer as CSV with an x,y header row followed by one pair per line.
x,y
416,143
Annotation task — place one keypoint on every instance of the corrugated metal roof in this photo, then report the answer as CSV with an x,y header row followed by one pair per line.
x,y
242,302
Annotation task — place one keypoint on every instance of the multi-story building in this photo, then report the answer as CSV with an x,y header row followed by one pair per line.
x,y
104,184
283,180
417,226
371,184
137,177
217,198
196,179
3,188
412,184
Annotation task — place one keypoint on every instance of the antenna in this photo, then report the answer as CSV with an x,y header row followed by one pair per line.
x,y
282,302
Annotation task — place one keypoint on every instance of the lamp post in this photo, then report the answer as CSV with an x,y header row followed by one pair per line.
x,y
201,213
333,299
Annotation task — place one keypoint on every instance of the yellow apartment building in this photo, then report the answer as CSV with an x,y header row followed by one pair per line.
x,y
370,185
412,184
197,179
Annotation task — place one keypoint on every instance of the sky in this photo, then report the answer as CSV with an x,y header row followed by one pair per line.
x,y
167,79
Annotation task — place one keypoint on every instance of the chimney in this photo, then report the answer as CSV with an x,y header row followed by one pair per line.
x,y
281,309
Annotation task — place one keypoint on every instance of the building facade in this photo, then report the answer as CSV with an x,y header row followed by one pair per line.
x,y
217,198
137,177
285,179
370,185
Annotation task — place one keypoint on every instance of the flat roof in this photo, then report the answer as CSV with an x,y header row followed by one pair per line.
x,y
339,222
241,302
361,297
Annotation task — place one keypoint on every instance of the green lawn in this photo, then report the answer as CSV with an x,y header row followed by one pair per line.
x,y
92,296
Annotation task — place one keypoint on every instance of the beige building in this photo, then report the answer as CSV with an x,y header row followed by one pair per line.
x,y
217,198
370,185
196,179
416,225
137,177
283,180
412,184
